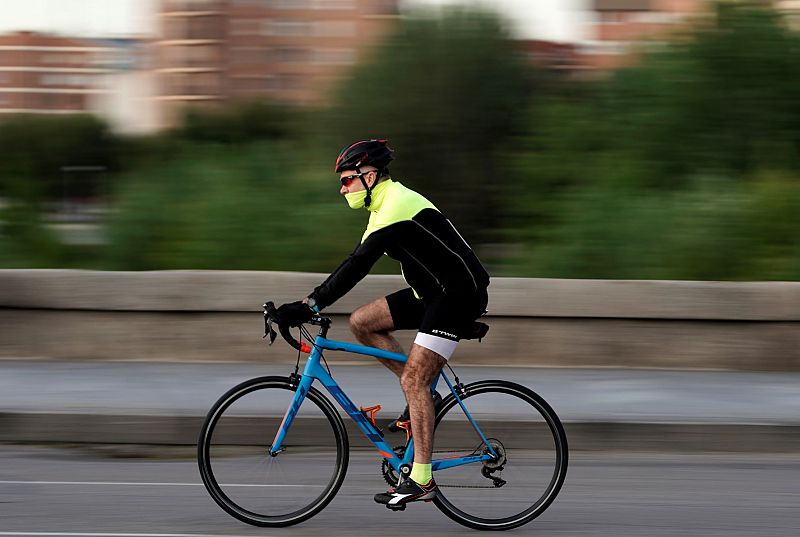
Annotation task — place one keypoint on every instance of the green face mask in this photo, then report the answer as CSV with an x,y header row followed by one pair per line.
x,y
356,199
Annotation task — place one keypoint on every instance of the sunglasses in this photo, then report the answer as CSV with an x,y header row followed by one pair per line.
x,y
347,180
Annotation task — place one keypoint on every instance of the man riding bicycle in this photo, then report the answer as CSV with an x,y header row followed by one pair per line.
x,y
446,293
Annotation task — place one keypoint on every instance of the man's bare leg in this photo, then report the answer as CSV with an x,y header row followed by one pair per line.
x,y
421,369
371,325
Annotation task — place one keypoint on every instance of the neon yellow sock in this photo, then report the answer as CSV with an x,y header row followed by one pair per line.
x,y
421,473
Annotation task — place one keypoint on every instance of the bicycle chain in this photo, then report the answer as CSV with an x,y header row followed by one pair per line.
x,y
385,469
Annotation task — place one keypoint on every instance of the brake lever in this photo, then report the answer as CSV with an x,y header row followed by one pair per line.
x,y
271,332
268,330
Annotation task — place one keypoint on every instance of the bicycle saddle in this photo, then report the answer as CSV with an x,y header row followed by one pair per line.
x,y
477,330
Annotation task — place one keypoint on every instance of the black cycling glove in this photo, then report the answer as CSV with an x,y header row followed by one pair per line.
x,y
295,313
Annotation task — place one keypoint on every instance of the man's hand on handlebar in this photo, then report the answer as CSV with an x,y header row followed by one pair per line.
x,y
294,314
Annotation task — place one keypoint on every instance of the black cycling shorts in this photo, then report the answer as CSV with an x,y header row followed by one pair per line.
x,y
444,316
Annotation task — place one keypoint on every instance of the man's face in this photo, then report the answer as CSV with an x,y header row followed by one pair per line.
x,y
351,182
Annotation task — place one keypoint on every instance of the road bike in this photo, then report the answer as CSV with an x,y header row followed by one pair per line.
x,y
274,451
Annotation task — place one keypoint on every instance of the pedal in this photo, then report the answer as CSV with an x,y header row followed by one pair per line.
x,y
370,413
401,507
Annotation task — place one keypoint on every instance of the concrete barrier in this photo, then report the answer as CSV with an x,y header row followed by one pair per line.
x,y
215,316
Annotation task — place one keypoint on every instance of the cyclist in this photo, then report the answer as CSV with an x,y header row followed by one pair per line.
x,y
446,293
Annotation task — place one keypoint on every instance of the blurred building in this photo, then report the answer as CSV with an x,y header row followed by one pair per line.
x,y
623,26
129,86
562,58
790,10
48,74
45,74
292,51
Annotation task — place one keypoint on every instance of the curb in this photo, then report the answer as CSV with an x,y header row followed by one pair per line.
x,y
74,428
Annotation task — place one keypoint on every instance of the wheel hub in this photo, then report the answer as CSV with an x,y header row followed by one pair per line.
x,y
498,462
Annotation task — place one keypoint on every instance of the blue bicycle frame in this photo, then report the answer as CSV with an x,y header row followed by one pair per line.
x,y
314,371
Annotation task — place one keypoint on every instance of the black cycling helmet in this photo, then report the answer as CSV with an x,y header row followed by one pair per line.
x,y
364,153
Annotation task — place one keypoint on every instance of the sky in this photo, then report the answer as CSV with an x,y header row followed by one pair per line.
x,y
556,20
553,20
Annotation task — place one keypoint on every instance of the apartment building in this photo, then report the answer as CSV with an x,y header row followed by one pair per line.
x,y
623,25
45,74
291,51
790,10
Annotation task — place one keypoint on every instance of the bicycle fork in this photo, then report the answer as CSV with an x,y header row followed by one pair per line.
x,y
288,417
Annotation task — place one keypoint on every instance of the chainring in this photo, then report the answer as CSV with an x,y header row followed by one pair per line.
x,y
391,477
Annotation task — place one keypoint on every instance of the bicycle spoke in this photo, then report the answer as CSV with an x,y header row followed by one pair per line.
x,y
256,487
527,473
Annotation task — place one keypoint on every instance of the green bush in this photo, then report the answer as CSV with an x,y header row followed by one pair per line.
x,y
225,208
34,149
239,122
684,166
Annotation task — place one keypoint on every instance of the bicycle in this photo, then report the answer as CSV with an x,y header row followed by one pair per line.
x,y
499,473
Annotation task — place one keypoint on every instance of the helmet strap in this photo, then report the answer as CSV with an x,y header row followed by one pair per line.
x,y
368,199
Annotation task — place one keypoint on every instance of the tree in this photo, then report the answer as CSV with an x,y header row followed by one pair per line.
x,y
446,92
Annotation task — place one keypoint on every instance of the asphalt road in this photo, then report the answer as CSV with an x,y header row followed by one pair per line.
x,y
66,491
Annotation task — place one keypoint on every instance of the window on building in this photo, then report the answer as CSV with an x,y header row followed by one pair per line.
x,y
203,54
242,55
612,17
285,28
285,82
335,28
60,58
291,4
335,4
245,27
188,5
337,56
51,80
175,28
604,47
290,55
247,84
655,17
204,83
204,28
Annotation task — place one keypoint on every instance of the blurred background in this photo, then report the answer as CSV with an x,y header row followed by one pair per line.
x,y
654,139
628,170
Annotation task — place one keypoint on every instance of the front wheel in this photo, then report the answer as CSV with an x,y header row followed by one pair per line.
x,y
233,453
531,456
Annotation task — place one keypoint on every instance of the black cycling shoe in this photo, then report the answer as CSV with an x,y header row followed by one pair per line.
x,y
405,416
408,491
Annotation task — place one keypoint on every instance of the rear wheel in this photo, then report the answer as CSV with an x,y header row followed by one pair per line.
x,y
250,484
531,463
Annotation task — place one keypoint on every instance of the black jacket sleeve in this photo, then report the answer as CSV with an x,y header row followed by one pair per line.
x,y
351,271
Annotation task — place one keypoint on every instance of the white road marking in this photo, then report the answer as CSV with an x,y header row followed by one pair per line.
x,y
139,483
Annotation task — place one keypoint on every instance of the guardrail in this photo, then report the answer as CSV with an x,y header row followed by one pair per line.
x,y
215,316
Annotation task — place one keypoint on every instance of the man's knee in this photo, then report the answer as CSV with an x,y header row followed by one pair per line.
x,y
358,321
371,318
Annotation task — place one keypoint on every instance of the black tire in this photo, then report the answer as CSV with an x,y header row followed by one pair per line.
x,y
240,445
538,437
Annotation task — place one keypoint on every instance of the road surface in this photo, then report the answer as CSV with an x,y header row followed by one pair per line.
x,y
70,491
